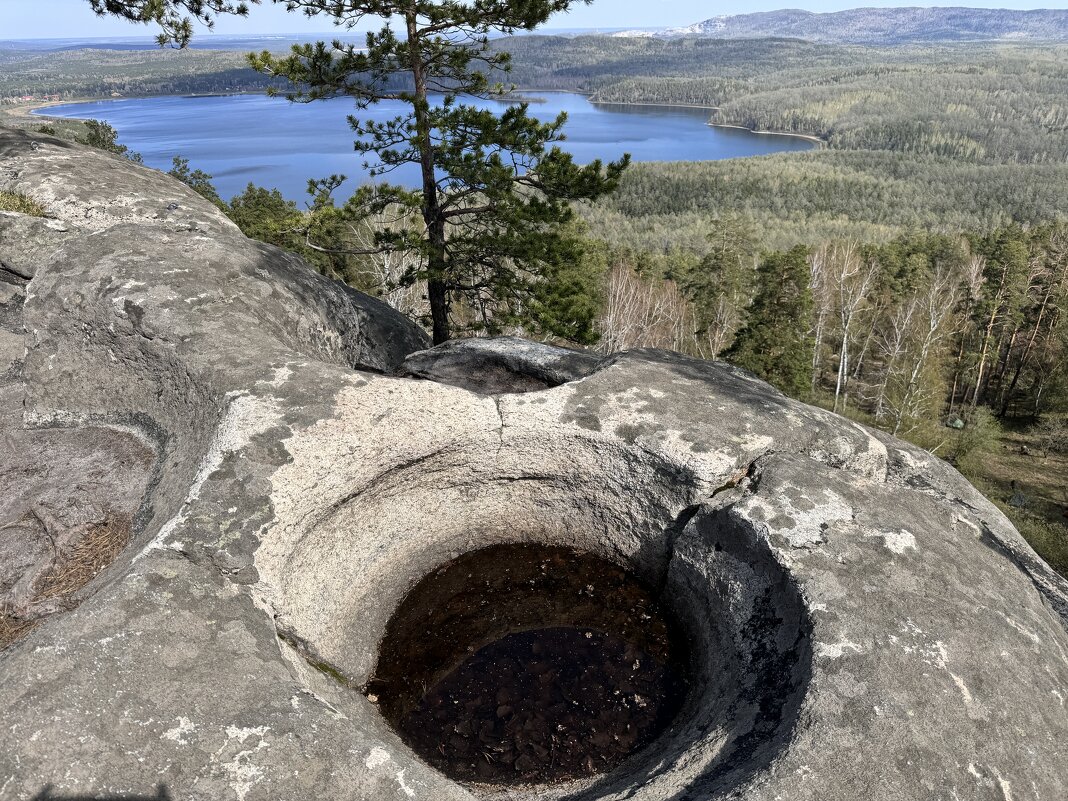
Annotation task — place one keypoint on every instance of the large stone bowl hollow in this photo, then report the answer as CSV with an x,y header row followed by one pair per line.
x,y
510,623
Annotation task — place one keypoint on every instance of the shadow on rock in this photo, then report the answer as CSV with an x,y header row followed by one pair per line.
x,y
161,794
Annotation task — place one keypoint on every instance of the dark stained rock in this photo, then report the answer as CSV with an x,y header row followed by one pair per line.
x,y
56,484
503,364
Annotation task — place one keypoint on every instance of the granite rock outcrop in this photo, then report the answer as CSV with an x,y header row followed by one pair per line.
x,y
292,457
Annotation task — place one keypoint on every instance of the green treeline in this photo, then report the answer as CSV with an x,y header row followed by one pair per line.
x,y
99,73
809,197
949,340
980,103
596,63
1010,109
904,329
843,315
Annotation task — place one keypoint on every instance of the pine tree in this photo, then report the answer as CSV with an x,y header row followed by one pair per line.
x,y
197,180
100,134
775,343
496,190
719,285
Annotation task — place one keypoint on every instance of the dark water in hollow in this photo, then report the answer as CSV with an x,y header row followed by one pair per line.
x,y
274,143
544,705
530,664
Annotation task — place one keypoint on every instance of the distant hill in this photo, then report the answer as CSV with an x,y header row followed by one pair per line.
x,y
883,25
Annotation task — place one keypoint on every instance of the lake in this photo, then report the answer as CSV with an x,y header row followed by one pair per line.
x,y
275,143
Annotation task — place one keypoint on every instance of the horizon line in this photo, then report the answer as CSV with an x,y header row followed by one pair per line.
x,y
151,37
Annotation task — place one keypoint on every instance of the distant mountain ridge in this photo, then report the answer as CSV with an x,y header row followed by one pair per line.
x,y
883,25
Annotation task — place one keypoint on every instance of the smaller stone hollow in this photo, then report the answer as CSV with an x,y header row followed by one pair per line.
x,y
529,664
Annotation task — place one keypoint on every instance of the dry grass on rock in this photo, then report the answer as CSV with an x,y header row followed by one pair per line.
x,y
15,201
12,629
73,570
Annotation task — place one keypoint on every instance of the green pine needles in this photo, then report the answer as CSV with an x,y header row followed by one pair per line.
x,y
496,189
776,342
174,17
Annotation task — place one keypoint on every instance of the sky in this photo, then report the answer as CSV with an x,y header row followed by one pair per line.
x,y
35,19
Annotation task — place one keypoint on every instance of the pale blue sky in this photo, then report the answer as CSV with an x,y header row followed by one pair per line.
x,y
24,19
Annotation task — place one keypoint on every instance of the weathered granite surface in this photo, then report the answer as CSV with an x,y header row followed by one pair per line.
x,y
868,625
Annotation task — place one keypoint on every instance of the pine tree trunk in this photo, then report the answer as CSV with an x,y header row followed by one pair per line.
x,y
437,266
437,288
1003,367
988,334
956,375
1004,360
1007,393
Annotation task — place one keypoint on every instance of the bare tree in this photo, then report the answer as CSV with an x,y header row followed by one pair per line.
x,y
644,314
937,308
823,301
391,271
850,278
893,341
726,318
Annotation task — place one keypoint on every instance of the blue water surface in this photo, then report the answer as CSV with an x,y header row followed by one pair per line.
x,y
274,143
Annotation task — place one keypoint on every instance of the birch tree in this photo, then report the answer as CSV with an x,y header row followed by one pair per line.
x,y
850,278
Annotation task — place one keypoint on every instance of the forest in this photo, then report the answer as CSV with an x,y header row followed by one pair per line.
x,y
809,197
992,104
912,274
74,74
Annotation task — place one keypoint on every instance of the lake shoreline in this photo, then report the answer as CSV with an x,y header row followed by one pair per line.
x,y
807,137
30,110
589,96
34,109
652,105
